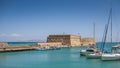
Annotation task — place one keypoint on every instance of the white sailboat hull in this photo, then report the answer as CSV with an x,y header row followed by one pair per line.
x,y
94,56
110,57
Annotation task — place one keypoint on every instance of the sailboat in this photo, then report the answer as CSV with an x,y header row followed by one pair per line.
x,y
113,55
92,49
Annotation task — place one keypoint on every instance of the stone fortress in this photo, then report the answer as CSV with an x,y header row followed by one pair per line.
x,y
65,39
73,40
68,39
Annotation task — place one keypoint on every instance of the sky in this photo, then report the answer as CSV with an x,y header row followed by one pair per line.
x,y
22,20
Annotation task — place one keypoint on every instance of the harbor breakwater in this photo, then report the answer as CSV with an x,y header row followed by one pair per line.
x,y
22,46
4,47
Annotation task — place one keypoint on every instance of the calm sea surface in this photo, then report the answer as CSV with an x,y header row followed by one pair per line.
x,y
64,58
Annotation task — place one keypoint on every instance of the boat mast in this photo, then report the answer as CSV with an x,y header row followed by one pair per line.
x,y
94,32
111,20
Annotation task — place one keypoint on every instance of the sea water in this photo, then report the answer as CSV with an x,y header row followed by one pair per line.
x,y
64,58
21,43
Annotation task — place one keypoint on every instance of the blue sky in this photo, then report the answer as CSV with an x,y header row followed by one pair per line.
x,y
22,20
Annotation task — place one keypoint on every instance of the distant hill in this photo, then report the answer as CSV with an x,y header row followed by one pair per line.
x,y
26,41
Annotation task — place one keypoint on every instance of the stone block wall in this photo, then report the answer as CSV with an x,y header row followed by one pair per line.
x,y
87,41
3,44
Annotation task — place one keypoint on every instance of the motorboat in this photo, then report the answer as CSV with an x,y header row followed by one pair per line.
x,y
93,54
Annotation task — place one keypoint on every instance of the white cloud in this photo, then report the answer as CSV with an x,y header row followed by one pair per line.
x,y
10,35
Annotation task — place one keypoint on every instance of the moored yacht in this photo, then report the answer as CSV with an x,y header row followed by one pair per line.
x,y
93,54
92,51
89,50
106,57
115,55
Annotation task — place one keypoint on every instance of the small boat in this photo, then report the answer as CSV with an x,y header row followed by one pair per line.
x,y
41,48
65,46
54,48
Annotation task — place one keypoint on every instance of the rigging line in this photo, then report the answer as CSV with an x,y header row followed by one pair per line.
x,y
103,39
106,31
